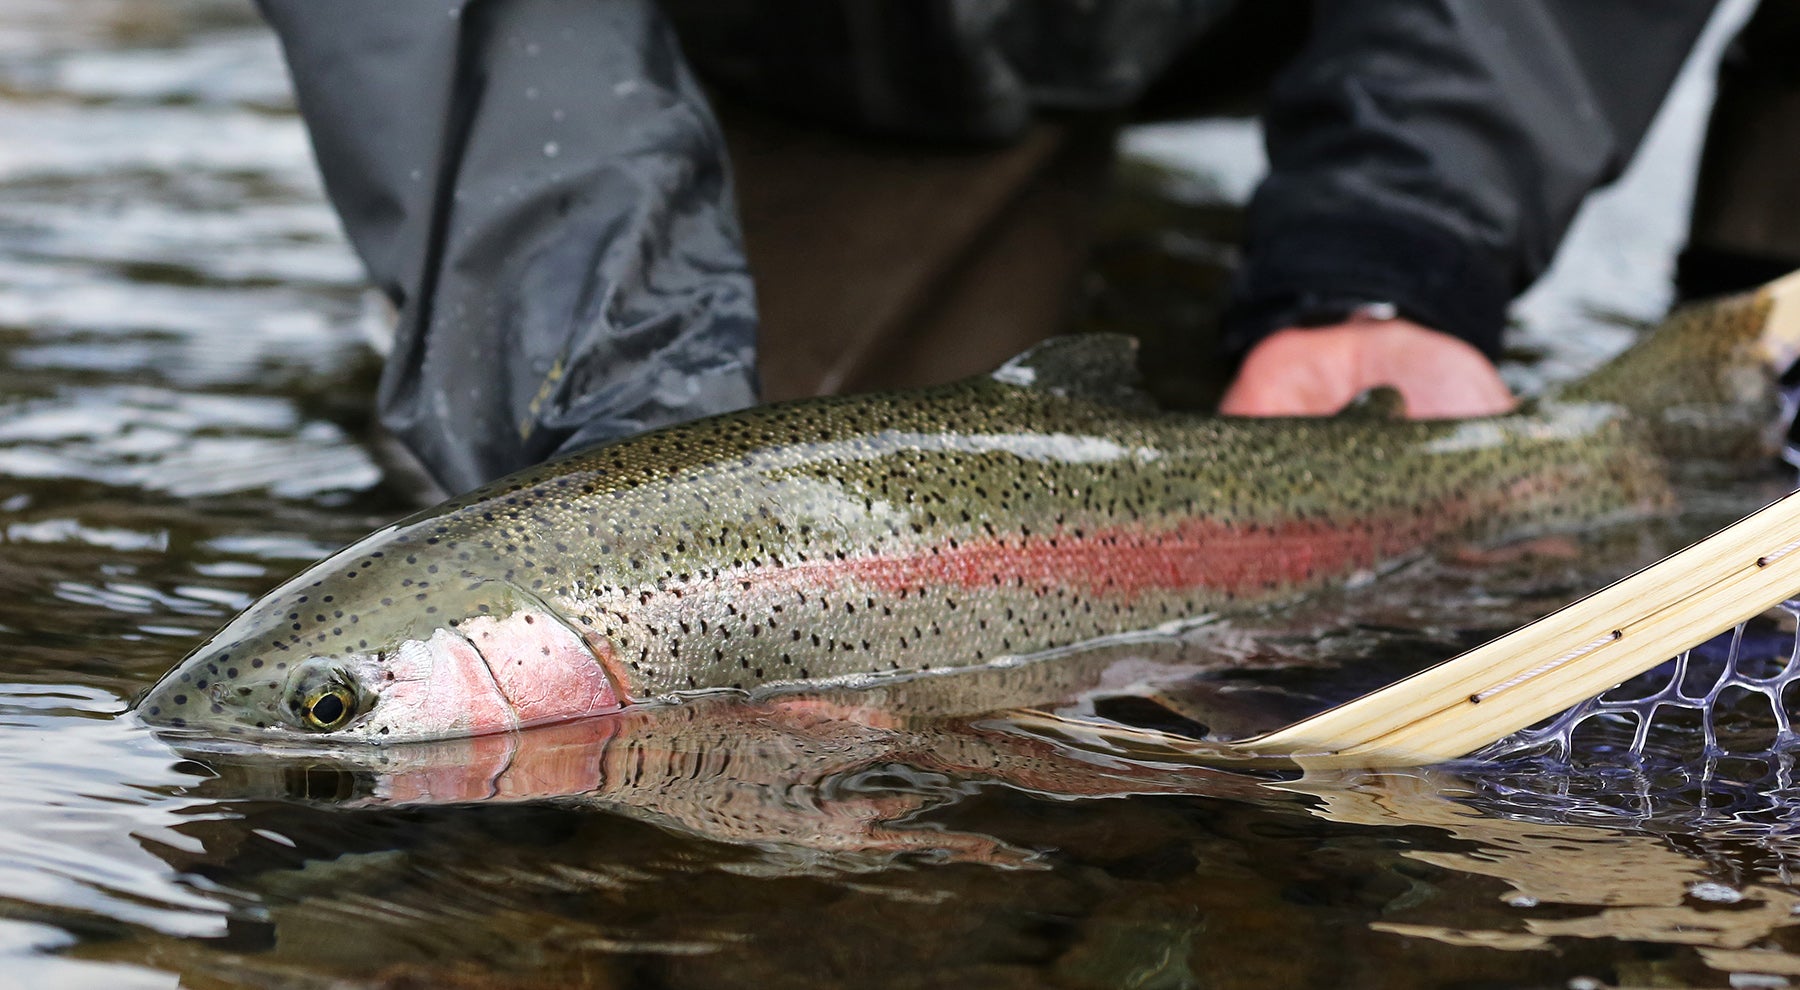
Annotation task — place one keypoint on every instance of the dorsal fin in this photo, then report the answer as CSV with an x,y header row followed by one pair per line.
x,y
1381,404
1098,367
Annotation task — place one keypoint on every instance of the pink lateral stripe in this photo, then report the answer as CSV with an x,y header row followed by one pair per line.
x,y
1234,559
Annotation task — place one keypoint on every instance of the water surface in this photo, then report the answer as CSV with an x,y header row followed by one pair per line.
x,y
183,421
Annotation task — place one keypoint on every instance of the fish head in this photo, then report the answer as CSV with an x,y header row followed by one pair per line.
x,y
329,657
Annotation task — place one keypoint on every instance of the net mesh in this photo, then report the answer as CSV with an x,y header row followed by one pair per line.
x,y
1706,741
1698,755
1731,689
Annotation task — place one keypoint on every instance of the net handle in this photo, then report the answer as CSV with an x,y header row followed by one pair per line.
x,y
1570,655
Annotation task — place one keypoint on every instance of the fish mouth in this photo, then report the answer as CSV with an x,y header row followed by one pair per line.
x,y
172,703
185,708
150,709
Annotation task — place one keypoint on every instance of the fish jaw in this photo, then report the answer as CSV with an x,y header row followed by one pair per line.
x,y
480,675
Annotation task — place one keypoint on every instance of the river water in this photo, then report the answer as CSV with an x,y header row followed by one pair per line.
x,y
184,388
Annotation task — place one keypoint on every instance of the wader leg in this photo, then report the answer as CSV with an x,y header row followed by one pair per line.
x,y
1745,228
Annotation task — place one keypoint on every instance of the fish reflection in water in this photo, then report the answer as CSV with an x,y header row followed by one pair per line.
x,y
631,834
825,777
618,836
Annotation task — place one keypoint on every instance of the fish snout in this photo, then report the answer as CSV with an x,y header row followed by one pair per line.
x,y
207,691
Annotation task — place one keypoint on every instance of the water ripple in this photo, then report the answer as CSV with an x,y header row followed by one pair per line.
x,y
78,842
165,441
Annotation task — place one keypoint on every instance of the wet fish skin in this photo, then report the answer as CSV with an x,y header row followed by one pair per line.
x,y
836,540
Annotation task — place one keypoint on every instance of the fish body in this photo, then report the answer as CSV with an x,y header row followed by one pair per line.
x,y
846,539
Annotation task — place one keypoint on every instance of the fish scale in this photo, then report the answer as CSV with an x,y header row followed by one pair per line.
x,y
845,539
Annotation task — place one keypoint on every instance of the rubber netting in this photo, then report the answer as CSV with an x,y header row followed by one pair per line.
x,y
1706,738
1731,695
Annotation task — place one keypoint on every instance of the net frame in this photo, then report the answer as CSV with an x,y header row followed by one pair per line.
x,y
1738,671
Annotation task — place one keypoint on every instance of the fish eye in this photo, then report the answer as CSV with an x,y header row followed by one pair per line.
x,y
323,695
329,709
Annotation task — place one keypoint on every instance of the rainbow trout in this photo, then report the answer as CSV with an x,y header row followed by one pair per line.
x,y
840,540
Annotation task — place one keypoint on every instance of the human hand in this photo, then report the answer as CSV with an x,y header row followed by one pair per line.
x,y
1316,371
